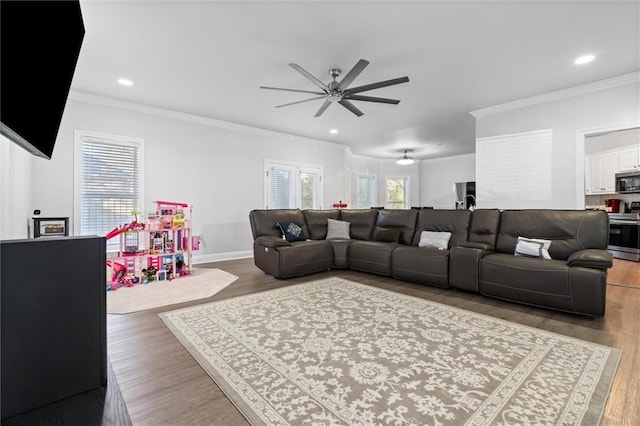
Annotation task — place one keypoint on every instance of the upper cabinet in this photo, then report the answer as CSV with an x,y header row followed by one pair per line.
x,y
629,159
600,170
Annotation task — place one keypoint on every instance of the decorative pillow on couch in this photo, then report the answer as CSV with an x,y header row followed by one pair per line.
x,y
387,235
292,231
533,247
439,240
338,229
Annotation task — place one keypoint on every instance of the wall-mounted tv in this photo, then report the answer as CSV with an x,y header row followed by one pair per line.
x,y
39,46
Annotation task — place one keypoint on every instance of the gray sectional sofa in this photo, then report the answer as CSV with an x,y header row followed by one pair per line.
x,y
479,256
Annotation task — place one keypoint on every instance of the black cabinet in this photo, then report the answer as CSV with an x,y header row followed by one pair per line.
x,y
53,317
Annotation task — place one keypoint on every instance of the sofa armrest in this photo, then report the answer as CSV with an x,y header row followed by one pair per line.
x,y
481,246
591,258
271,241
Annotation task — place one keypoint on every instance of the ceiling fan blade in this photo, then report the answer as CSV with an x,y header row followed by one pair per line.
x,y
372,99
309,76
351,107
352,74
299,102
324,106
377,85
291,90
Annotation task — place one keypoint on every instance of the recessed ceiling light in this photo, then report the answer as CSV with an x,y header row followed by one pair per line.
x,y
333,131
585,59
125,82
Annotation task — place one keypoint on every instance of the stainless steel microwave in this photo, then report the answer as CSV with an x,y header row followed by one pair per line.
x,y
628,182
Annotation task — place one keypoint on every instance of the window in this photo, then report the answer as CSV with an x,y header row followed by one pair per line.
x,y
397,192
108,184
366,191
292,185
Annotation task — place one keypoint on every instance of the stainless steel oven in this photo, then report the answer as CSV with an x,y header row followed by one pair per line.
x,y
624,236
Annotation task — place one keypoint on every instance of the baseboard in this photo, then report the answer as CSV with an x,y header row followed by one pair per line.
x,y
217,257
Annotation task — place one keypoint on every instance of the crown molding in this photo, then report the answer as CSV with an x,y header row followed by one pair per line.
x,y
192,118
596,86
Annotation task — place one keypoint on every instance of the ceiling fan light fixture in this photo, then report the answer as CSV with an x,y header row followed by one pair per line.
x,y
405,160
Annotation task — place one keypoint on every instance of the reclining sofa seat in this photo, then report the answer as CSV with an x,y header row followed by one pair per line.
x,y
367,253
281,258
573,280
430,265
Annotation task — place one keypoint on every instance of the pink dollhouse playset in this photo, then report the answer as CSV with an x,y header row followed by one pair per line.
x,y
158,249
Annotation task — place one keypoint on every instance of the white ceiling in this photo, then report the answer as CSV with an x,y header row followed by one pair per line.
x,y
209,59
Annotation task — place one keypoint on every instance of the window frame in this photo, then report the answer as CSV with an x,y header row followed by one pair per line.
x,y
298,168
79,136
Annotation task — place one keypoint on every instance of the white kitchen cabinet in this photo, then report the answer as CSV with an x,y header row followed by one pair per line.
x,y
629,159
600,170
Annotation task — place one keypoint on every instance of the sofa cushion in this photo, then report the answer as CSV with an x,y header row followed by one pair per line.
x,y
317,222
437,240
570,230
362,222
338,230
454,221
387,235
292,231
405,220
533,247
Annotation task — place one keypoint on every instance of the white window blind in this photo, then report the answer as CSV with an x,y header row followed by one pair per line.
x,y
397,192
281,189
514,171
110,184
366,187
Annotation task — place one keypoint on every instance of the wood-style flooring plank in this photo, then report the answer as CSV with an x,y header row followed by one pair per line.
x,y
162,383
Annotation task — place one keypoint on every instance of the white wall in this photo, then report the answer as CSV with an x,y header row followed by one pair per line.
x,y
15,190
217,170
566,117
439,175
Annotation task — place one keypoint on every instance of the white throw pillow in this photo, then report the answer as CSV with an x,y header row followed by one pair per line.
x,y
338,229
439,240
533,247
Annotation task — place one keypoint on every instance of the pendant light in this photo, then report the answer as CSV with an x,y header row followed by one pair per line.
x,y
405,160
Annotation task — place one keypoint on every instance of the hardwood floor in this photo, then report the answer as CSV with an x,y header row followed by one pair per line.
x,y
624,272
162,384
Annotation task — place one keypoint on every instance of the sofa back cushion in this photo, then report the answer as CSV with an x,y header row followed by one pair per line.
x,y
569,230
484,226
362,222
265,222
317,222
454,221
404,220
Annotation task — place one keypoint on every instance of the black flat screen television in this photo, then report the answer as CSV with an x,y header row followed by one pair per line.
x,y
40,43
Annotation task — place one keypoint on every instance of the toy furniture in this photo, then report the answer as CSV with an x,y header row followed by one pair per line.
x,y
157,250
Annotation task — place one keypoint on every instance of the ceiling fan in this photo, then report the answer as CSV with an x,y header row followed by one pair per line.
x,y
338,91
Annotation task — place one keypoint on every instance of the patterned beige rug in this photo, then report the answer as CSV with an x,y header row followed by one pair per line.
x,y
335,352
202,283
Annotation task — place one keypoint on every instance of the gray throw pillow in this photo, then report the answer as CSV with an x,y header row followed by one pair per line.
x,y
338,229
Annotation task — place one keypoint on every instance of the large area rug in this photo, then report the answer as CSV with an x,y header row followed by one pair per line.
x,y
202,283
335,352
